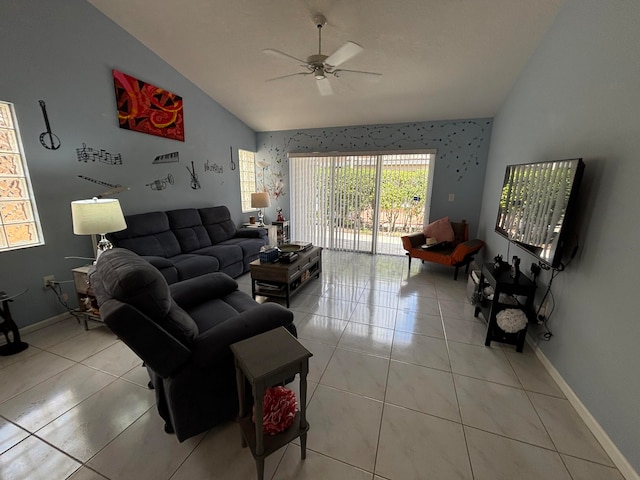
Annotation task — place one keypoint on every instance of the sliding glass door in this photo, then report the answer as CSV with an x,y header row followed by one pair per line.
x,y
359,201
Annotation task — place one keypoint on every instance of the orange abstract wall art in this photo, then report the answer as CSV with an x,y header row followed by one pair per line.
x,y
148,109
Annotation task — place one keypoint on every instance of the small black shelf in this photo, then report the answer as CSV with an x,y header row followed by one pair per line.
x,y
502,282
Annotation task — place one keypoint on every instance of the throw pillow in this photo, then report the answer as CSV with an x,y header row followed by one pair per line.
x,y
441,230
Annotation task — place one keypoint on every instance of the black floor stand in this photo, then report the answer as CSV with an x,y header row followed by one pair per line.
x,y
9,329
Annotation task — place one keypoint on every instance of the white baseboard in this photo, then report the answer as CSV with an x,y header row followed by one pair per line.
x,y
619,460
44,323
38,325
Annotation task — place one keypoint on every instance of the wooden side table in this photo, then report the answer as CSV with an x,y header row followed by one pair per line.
x,y
272,231
266,360
87,303
283,231
9,328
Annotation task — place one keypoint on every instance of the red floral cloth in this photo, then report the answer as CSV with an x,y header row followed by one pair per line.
x,y
279,408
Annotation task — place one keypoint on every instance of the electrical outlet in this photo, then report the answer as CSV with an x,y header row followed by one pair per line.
x,y
535,269
48,281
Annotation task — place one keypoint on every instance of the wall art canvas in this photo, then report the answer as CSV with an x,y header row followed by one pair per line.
x,y
148,109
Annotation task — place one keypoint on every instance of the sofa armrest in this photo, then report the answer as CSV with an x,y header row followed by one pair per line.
x,y
163,353
464,249
251,232
213,345
413,240
195,291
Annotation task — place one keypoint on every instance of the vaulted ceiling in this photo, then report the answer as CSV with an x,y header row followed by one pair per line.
x,y
439,59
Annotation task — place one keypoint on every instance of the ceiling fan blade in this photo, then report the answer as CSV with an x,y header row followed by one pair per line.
x,y
340,70
344,53
324,87
290,75
283,56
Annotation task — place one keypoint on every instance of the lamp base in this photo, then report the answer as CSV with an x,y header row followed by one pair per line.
x,y
261,218
102,246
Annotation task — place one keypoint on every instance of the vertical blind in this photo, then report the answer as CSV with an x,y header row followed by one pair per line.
x,y
326,198
335,198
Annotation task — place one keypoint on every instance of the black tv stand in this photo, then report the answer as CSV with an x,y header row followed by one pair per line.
x,y
502,282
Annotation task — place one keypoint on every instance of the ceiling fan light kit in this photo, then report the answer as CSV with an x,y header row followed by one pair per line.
x,y
320,65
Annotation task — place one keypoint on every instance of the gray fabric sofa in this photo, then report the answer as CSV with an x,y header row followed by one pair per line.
x,y
182,332
190,242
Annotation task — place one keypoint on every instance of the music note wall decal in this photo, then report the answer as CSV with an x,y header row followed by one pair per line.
x,y
87,153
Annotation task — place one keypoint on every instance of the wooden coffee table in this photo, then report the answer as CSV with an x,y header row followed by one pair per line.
x,y
282,280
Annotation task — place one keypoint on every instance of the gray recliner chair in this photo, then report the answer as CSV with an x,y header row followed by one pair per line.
x,y
182,333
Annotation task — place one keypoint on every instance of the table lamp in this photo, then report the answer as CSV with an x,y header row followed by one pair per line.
x,y
97,216
260,200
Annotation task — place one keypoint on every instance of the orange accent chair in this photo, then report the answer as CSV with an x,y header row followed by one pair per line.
x,y
458,253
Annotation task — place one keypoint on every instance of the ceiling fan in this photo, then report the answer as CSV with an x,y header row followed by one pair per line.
x,y
319,65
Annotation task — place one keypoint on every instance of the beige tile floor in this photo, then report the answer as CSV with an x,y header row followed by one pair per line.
x,y
401,387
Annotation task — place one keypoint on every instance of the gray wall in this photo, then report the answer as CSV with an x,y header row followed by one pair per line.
x,y
63,53
579,96
462,147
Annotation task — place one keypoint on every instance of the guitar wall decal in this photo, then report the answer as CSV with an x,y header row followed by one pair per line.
x,y
48,139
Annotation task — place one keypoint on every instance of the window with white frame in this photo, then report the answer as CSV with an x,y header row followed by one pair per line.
x,y
246,165
19,222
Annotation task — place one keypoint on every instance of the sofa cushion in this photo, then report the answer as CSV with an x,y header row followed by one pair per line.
x,y
441,230
147,234
166,267
225,254
186,224
130,279
250,246
218,224
191,266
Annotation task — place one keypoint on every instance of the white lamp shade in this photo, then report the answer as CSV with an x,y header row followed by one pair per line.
x,y
97,216
260,200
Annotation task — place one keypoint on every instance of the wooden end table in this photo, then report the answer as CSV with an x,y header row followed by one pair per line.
x,y
266,360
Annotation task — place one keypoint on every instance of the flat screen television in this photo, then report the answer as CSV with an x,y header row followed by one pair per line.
x,y
536,206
